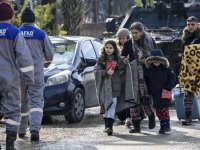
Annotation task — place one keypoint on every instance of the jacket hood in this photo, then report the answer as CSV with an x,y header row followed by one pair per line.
x,y
156,55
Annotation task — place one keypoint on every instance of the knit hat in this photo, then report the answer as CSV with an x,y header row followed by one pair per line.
x,y
28,16
6,11
123,32
156,55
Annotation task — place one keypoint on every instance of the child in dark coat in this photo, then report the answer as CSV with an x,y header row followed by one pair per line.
x,y
158,77
110,66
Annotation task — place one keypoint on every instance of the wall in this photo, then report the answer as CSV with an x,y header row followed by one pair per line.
x,y
93,29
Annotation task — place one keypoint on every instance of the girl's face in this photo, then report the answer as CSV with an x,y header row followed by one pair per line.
x,y
156,63
122,40
109,49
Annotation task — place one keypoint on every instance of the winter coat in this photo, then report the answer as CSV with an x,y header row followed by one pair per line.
x,y
190,69
14,56
116,82
40,47
135,85
159,78
104,83
190,64
191,38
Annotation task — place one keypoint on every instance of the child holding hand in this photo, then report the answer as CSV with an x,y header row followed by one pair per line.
x,y
160,79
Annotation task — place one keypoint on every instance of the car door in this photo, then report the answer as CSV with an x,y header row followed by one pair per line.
x,y
88,53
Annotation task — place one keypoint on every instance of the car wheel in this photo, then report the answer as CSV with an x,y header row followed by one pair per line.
x,y
77,109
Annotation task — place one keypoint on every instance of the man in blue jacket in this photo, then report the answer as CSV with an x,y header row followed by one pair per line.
x,y
15,57
32,96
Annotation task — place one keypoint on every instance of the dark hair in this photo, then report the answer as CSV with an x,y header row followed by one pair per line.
x,y
116,51
192,18
138,26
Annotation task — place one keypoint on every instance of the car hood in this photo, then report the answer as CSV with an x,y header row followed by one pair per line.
x,y
55,69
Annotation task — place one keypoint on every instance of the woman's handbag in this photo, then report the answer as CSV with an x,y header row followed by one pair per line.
x,y
166,94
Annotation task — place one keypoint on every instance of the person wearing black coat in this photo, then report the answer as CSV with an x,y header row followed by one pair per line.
x,y
159,76
137,49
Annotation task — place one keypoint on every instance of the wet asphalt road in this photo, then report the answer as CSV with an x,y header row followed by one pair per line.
x,y
88,135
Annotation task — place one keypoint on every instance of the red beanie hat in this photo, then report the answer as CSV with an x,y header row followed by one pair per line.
x,y
6,11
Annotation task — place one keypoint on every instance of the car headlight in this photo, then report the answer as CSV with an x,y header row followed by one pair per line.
x,y
59,78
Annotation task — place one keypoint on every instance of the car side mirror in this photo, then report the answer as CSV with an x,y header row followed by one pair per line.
x,y
85,62
90,62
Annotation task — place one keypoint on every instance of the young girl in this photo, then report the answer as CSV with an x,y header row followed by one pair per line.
x,y
122,36
108,69
158,77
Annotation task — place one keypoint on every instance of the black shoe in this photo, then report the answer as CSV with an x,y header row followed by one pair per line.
x,y
165,127
109,131
162,131
10,140
187,122
35,136
134,130
152,122
21,135
136,127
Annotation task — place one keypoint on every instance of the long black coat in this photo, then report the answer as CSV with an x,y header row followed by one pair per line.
x,y
157,79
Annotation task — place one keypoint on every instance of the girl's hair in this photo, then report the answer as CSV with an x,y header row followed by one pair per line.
x,y
123,32
137,26
116,51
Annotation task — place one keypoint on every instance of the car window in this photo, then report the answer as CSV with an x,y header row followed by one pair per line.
x,y
98,47
64,52
88,50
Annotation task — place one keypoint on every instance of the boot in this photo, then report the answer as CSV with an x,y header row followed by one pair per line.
x,y
109,126
35,137
152,122
162,127
106,125
167,126
188,120
136,129
10,140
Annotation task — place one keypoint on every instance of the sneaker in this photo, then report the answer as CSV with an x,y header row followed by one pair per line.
x,y
35,136
128,122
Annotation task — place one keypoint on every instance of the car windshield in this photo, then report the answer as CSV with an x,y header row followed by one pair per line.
x,y
64,52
